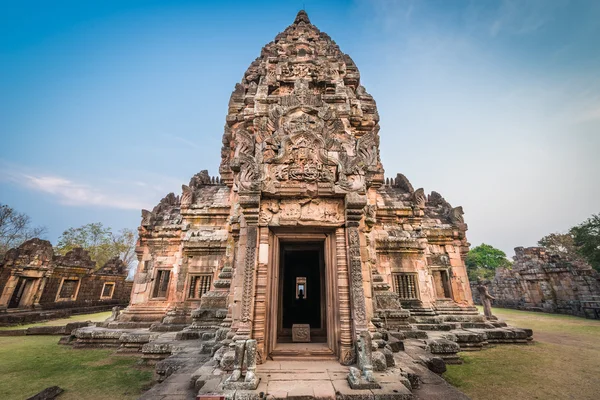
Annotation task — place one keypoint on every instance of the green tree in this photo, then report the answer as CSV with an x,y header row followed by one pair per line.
x,y
586,237
560,243
483,260
15,228
101,243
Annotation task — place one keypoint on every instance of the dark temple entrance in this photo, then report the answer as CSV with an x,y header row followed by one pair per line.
x,y
21,293
302,291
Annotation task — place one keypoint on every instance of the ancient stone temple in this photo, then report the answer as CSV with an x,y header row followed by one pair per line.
x,y
543,281
301,249
302,227
37,284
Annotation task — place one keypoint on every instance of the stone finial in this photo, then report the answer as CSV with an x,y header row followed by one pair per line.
x,y
202,178
403,183
456,215
418,197
147,217
187,196
302,17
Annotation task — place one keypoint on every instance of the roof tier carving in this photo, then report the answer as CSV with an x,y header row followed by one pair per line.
x,y
301,120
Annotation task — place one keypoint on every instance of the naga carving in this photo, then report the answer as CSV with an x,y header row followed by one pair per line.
x,y
418,197
456,215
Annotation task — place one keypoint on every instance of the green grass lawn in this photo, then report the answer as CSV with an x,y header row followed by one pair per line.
x,y
29,364
562,363
96,317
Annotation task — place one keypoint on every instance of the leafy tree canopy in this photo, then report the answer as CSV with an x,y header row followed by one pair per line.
x,y
560,243
483,260
101,243
586,238
15,228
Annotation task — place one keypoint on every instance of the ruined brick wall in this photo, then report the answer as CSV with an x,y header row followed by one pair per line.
x,y
89,292
75,273
546,282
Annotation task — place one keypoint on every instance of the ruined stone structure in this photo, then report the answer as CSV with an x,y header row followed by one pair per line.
x,y
542,281
300,173
33,278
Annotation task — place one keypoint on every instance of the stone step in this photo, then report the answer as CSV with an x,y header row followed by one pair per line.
x,y
415,334
477,325
426,320
300,357
302,354
457,312
435,327
462,318
160,327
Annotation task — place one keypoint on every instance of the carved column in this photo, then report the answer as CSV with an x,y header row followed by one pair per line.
x,y
347,353
354,212
249,201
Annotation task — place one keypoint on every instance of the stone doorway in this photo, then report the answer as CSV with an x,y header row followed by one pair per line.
x,y
21,293
441,282
302,291
311,259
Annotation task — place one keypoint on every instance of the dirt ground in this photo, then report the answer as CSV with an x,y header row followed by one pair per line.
x,y
562,363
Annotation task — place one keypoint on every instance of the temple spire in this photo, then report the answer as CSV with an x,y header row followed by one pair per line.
x,y
302,17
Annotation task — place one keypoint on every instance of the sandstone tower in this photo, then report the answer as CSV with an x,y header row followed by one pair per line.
x,y
301,228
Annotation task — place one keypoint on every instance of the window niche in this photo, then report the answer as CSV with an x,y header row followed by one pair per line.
x,y
301,287
406,286
68,289
107,290
198,285
161,284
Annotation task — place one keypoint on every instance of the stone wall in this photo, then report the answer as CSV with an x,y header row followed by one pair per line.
x,y
546,282
33,278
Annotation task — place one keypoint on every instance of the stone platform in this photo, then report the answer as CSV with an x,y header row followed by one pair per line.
x,y
407,363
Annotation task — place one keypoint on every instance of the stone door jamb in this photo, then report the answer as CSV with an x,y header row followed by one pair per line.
x,y
314,235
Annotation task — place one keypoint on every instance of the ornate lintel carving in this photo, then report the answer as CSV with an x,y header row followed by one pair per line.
x,y
304,211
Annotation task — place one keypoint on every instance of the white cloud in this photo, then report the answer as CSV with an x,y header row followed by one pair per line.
x,y
71,193
76,194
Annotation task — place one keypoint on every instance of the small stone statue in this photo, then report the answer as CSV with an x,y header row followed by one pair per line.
x,y
362,377
485,297
116,311
243,349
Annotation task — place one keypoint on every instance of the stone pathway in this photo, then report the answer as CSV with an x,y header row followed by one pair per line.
x,y
179,367
302,379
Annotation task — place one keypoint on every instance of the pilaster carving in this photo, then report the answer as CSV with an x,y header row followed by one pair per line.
x,y
354,211
248,286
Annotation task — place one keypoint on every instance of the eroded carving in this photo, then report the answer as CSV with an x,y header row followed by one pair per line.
x,y
304,211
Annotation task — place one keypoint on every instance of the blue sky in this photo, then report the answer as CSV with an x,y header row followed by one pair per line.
x,y
106,106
